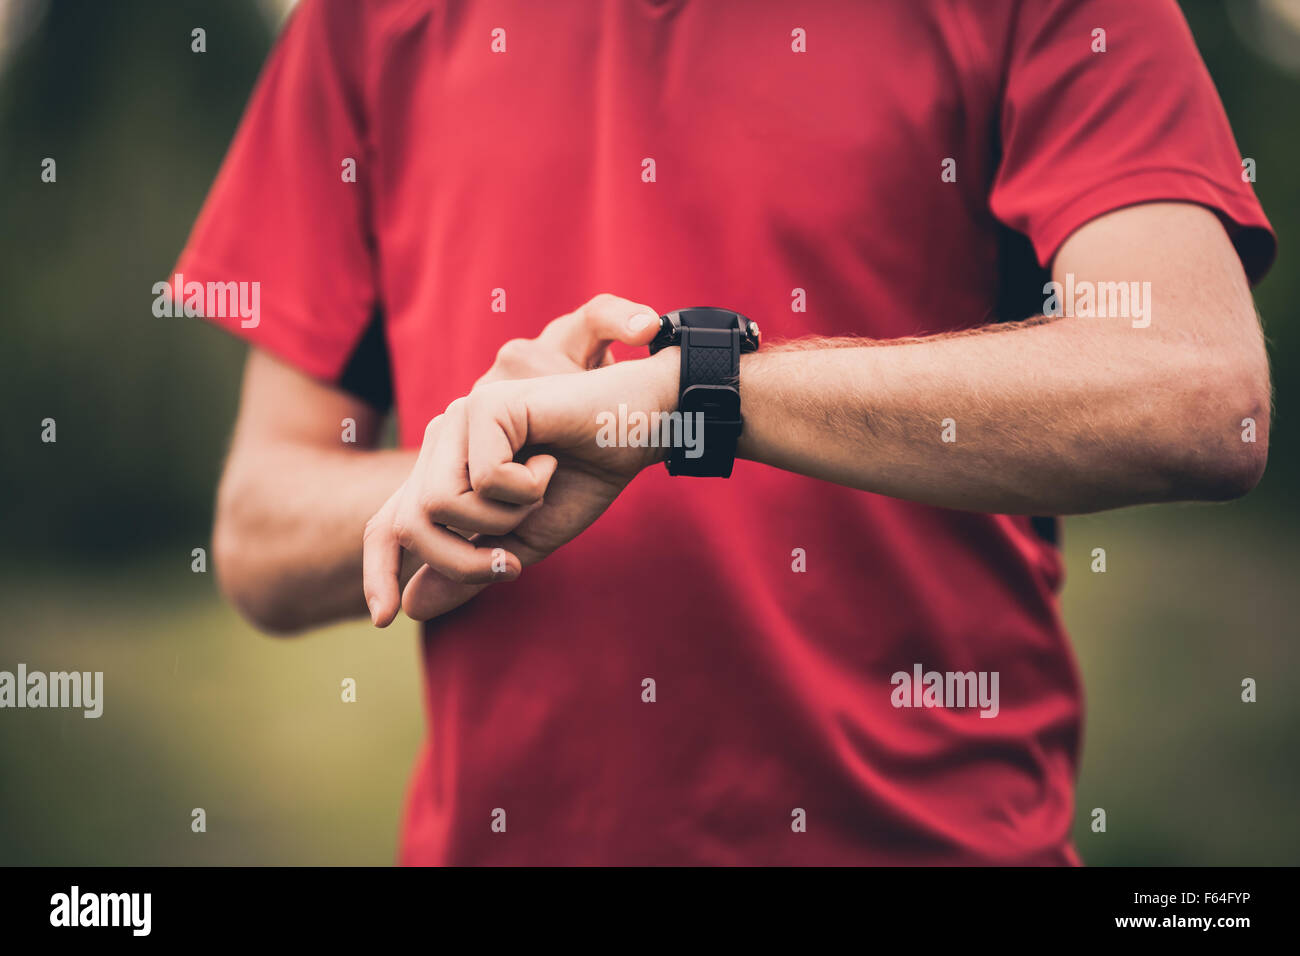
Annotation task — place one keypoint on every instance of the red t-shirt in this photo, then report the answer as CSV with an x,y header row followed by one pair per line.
x,y
502,146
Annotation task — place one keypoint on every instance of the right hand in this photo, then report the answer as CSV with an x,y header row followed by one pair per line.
x,y
436,515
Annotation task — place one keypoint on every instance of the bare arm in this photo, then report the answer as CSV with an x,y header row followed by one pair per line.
x,y
1049,417
294,498
1054,417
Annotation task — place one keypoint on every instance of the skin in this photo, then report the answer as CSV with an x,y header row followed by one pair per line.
x,y
293,497
1053,417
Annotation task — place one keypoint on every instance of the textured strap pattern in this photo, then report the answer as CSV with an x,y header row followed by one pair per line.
x,y
707,366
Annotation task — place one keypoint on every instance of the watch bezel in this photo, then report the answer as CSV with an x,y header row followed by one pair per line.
x,y
670,326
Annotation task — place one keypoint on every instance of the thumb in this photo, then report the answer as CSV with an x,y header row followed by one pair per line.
x,y
585,334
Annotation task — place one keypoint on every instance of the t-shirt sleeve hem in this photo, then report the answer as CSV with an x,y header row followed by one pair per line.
x,y
1249,230
280,330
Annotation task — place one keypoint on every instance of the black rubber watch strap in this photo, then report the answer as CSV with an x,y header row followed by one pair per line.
x,y
710,375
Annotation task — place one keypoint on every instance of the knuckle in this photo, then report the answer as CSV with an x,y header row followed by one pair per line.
x,y
483,399
433,503
404,530
514,351
427,502
482,478
431,429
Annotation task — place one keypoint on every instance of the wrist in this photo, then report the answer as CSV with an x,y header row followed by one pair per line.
x,y
664,374
745,445
664,371
704,345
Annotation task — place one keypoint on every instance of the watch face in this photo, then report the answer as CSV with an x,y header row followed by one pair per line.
x,y
708,317
704,317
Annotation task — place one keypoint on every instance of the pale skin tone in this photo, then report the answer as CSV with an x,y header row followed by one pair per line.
x,y
1063,416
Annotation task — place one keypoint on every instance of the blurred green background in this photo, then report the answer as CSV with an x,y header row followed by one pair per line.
x,y
96,530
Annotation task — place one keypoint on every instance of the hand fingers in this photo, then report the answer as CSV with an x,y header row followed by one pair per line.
x,y
453,556
381,549
429,594
449,499
381,561
525,358
498,427
441,494
474,513
576,341
520,482
584,334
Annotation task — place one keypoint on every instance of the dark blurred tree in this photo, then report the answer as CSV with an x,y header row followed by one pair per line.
x,y
137,124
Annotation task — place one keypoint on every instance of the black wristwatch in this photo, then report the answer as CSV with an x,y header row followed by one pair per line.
x,y
711,341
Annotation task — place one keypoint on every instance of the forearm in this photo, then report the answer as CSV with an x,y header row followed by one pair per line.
x,y
288,532
1050,417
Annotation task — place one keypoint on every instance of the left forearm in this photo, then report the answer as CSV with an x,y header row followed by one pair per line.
x,y
1062,417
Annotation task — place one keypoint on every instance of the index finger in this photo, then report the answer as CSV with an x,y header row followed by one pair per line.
x,y
585,333
381,565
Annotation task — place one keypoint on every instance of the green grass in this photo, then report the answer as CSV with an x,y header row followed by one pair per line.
x,y
200,711
1192,602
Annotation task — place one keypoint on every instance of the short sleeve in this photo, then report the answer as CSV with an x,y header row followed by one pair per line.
x,y
1085,132
284,211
